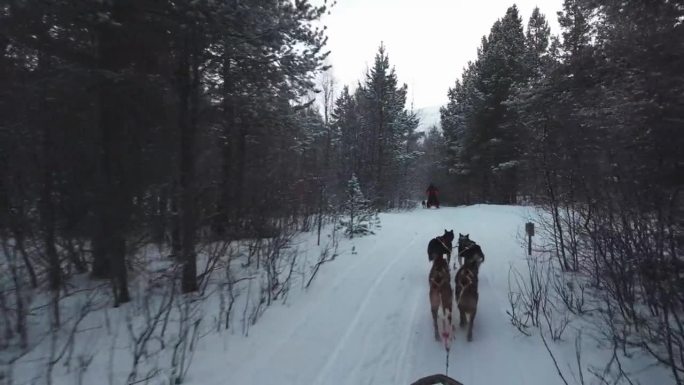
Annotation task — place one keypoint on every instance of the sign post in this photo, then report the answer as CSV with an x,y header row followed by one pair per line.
x,y
529,229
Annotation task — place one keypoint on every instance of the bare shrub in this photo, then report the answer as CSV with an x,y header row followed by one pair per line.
x,y
327,254
190,316
625,277
532,299
146,332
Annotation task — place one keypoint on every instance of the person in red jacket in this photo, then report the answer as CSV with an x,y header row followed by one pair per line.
x,y
432,193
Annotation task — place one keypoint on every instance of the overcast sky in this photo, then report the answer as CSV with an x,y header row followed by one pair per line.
x,y
428,41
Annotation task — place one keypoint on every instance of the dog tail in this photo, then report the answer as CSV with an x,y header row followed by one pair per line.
x,y
444,328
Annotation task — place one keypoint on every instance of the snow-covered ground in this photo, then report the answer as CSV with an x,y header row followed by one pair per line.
x,y
365,319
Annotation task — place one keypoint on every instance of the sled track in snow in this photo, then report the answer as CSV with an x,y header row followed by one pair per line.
x,y
402,362
323,373
336,284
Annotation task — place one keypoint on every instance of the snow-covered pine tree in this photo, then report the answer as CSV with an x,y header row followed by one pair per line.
x,y
537,41
357,210
481,128
387,129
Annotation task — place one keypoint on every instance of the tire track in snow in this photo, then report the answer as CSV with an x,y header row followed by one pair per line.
x,y
357,317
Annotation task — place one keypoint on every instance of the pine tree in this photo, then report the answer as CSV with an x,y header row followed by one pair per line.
x,y
387,130
537,44
265,78
574,20
377,134
347,121
358,212
110,94
599,113
482,130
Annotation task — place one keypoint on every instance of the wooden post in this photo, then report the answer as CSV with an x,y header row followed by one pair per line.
x,y
529,245
529,229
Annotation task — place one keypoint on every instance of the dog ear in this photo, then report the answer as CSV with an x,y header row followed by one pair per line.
x,y
467,236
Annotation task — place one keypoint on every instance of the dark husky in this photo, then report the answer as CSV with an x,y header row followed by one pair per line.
x,y
469,251
470,256
441,245
467,296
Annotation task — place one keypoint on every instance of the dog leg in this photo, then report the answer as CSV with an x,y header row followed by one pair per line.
x,y
449,328
454,305
434,322
470,326
451,324
447,305
462,316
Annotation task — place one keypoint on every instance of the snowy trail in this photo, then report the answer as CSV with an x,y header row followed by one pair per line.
x,y
366,318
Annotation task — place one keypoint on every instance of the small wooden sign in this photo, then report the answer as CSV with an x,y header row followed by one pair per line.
x,y
529,229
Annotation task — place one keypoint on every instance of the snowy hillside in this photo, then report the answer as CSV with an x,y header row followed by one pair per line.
x,y
429,116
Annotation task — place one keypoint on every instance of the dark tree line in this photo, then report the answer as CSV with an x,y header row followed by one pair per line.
x,y
483,133
178,124
433,167
589,125
377,135
127,122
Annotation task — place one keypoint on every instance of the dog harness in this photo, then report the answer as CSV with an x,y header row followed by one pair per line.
x,y
443,274
439,239
467,248
469,277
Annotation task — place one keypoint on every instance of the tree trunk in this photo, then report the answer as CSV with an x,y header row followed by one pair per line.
x,y
17,229
176,242
240,175
21,325
48,219
113,197
189,99
560,247
225,204
47,206
119,276
380,190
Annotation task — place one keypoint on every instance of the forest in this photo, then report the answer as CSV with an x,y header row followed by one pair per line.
x,y
187,127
